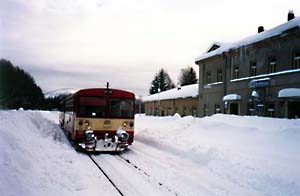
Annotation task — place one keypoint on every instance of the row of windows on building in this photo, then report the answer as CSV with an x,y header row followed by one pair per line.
x,y
235,71
253,109
168,111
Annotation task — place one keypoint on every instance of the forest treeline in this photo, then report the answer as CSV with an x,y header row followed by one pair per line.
x,y
19,90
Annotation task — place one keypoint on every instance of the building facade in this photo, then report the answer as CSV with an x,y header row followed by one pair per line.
x,y
179,100
259,75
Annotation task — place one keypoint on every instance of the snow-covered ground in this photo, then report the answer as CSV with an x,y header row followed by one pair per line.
x,y
36,159
218,155
224,154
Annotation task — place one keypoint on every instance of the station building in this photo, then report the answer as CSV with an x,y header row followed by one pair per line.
x,y
258,75
181,100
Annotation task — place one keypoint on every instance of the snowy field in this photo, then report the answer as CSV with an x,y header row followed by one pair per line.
x,y
218,155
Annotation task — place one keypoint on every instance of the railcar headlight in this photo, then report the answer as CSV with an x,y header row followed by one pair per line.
x,y
87,123
125,124
122,135
80,123
89,135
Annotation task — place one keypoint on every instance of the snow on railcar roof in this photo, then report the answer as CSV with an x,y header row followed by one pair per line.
x,y
182,92
224,47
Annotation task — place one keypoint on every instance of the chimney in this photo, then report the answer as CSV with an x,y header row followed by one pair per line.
x,y
260,29
291,15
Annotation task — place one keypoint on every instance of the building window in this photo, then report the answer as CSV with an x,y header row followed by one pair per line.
x,y
205,109
194,113
217,109
297,60
219,75
235,72
272,64
208,77
169,111
281,109
184,111
251,109
214,47
253,69
157,112
271,109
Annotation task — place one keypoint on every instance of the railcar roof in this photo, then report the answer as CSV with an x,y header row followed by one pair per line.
x,y
116,93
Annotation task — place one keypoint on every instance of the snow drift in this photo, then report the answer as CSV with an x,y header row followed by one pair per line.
x,y
217,155
36,159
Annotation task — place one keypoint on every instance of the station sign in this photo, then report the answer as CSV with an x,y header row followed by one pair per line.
x,y
259,83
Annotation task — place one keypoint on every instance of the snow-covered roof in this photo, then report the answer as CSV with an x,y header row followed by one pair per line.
x,y
231,97
289,92
183,92
224,47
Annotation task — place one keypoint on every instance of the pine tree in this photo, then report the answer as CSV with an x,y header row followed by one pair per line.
x,y
154,86
161,82
18,88
187,76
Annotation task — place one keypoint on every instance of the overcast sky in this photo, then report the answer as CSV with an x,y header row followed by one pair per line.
x,y
85,43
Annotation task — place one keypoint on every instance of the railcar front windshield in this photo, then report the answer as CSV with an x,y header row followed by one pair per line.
x,y
92,107
121,108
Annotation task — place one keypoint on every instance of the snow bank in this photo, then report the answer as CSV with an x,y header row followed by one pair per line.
x,y
235,155
36,159
222,155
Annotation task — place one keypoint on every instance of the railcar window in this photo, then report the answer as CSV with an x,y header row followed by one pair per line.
x,y
121,108
92,106
69,105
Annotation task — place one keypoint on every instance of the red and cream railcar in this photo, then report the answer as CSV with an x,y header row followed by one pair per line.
x,y
99,119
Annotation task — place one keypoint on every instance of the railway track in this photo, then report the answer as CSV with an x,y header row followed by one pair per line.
x,y
105,174
127,178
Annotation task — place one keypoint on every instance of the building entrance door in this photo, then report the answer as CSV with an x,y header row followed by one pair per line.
x,y
294,109
234,108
